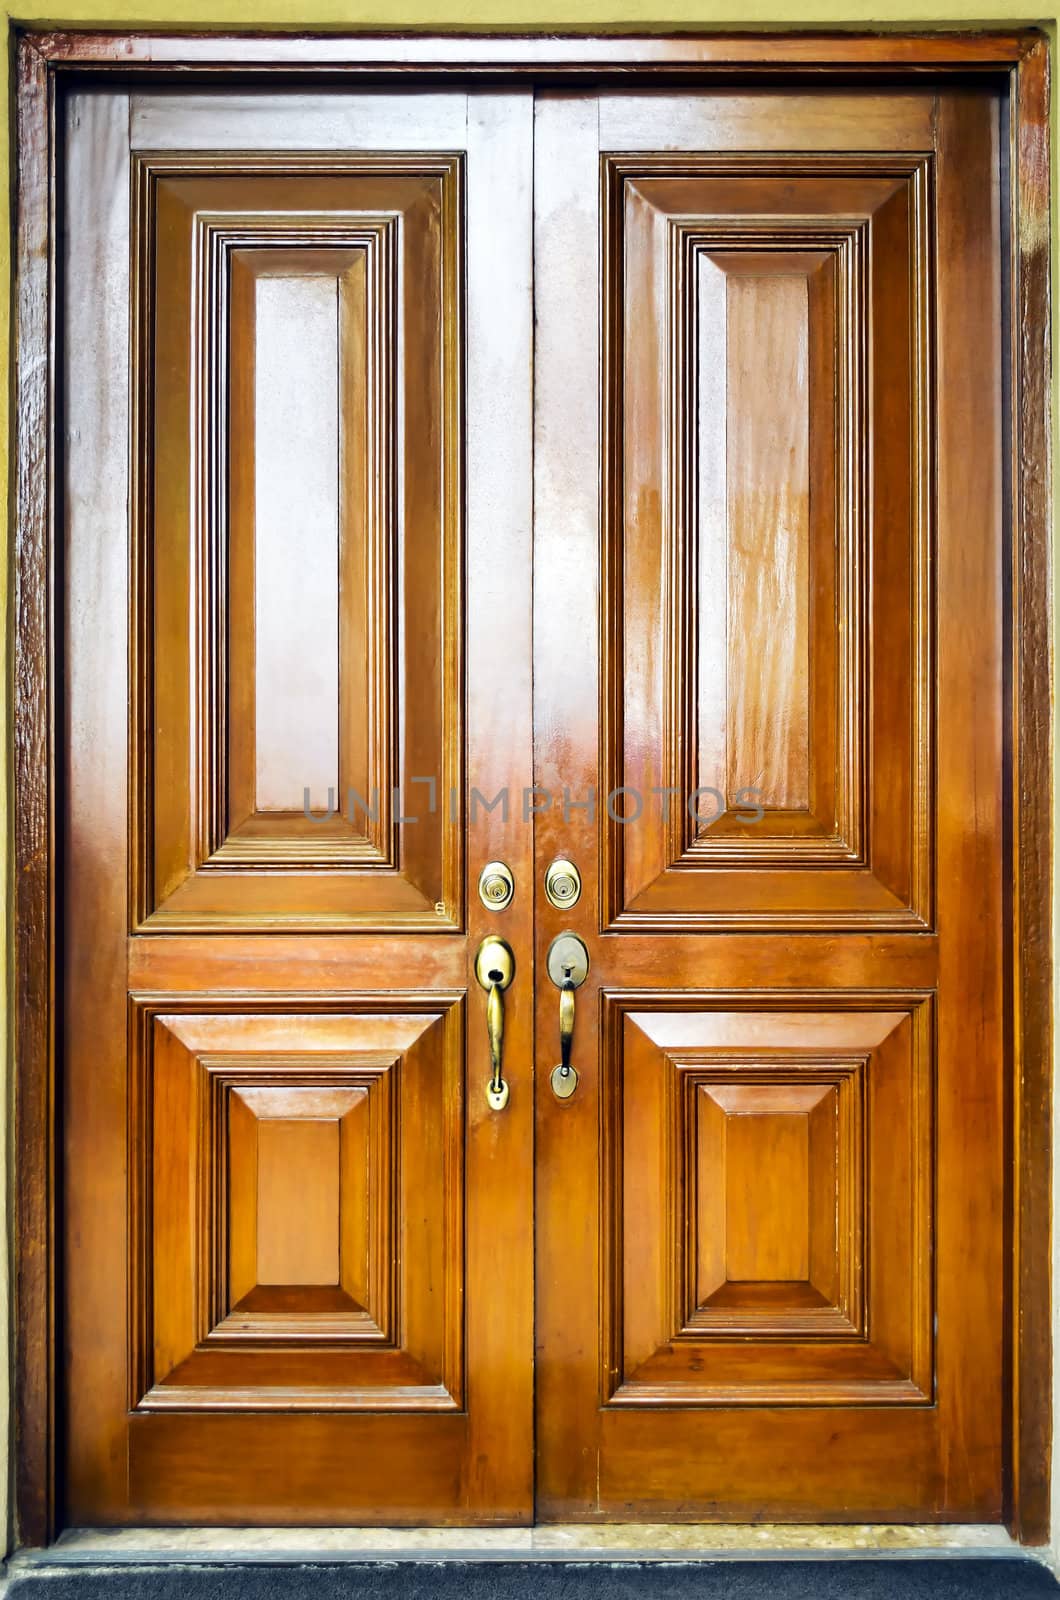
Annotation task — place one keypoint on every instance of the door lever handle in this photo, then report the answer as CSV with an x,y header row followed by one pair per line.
x,y
568,967
495,969
566,1039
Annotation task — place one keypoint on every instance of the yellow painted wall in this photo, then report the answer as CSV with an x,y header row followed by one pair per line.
x,y
516,15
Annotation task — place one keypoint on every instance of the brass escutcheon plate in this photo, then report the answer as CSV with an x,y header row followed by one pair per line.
x,y
494,962
496,885
563,1083
568,961
563,884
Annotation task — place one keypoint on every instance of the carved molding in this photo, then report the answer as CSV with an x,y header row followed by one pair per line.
x,y
202,856
827,1296
382,1329
855,850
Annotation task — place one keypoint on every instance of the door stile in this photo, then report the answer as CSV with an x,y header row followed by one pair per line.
x,y
95,757
499,1486
566,679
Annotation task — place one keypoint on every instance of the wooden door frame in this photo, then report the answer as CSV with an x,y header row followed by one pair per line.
x,y
1018,62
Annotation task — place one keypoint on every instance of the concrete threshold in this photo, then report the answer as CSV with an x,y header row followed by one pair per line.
x,y
612,1542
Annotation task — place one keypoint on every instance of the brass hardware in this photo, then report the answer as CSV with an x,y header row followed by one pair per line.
x,y
563,884
496,885
568,961
495,969
568,967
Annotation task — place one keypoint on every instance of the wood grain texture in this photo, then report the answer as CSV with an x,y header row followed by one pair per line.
x,y
499,1467
1031,681
93,551
634,55
768,494
792,1219
973,1093
247,1197
826,410
298,1201
221,679
347,673
787,673
34,732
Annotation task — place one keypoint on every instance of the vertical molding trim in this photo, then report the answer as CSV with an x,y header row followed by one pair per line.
x,y
33,860
1031,795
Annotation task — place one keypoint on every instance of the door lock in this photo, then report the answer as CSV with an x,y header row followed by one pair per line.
x,y
563,884
496,885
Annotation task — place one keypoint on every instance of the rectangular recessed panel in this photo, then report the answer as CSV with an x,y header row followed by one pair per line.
x,y
302,1173
298,1201
766,1223
765,1210
771,1228
310,673
296,539
300,541
760,419
768,502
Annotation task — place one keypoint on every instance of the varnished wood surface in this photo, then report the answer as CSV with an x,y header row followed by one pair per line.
x,y
93,764
768,505
297,1240
911,960
214,848
1032,631
33,1412
650,1406
691,552
578,53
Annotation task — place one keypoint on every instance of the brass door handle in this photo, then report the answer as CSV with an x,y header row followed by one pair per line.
x,y
568,967
566,1031
495,969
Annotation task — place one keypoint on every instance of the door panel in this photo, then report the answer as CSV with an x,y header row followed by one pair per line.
x,y
297,1241
302,1180
765,653
768,461
298,675
766,1184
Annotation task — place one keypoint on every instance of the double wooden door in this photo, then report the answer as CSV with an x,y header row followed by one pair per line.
x,y
470,475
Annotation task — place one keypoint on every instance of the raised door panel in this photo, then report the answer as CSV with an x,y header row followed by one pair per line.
x,y
298,542
767,1237
298,1206
766,722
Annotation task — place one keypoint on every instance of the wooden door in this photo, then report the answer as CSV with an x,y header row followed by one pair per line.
x,y
718,378
296,1251
768,708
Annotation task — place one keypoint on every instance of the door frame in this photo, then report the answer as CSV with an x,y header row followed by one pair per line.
x,y
1018,63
